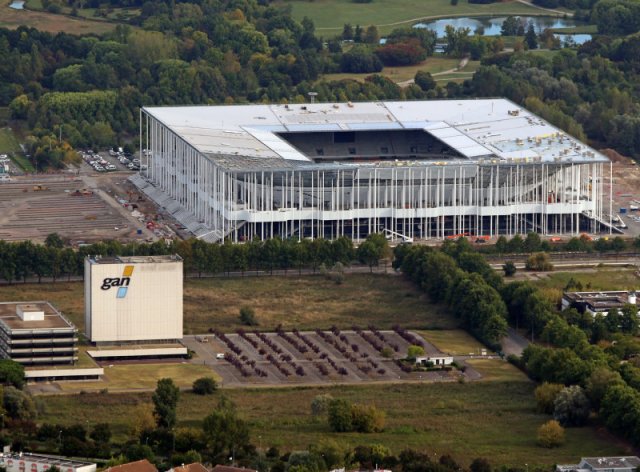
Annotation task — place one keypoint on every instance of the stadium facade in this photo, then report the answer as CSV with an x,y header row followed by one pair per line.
x,y
416,170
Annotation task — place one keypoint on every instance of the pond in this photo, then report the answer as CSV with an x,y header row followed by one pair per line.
x,y
17,5
493,26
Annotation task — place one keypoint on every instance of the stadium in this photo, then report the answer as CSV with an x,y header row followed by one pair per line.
x,y
414,170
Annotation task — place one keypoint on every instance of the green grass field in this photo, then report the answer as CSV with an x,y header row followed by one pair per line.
x,y
493,419
307,302
330,15
50,22
433,65
598,279
453,341
9,144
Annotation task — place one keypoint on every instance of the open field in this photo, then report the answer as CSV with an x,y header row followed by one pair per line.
x,y
596,279
307,302
8,142
330,15
493,419
52,23
493,370
310,302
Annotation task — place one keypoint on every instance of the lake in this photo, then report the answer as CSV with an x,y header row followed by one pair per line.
x,y
17,5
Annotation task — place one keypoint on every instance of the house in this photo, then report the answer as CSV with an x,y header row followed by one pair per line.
x,y
436,360
228,468
27,462
602,464
138,466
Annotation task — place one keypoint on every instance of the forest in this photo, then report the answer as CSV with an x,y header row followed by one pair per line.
x,y
88,89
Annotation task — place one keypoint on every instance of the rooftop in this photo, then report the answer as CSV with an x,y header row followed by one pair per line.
x,y
623,462
138,466
61,462
480,130
600,300
134,259
53,319
195,467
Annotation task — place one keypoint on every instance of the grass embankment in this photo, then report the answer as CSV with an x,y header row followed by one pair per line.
x,y
495,419
453,341
330,15
50,22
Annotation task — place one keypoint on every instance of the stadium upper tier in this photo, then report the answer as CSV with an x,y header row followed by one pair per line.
x,y
250,137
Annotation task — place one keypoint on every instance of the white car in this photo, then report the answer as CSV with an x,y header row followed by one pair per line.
x,y
110,167
220,355
99,168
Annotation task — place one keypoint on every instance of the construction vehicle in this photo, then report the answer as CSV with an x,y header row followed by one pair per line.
x,y
81,193
40,188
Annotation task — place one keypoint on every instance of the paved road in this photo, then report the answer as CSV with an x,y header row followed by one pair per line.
x,y
514,343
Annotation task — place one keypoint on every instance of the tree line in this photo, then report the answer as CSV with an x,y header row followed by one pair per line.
x,y
25,259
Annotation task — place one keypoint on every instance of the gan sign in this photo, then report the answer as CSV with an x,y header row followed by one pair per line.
x,y
121,282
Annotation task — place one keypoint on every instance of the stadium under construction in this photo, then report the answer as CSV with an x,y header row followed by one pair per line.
x,y
415,170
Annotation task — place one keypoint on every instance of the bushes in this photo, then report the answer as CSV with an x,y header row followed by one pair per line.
x,y
204,386
546,396
248,316
551,434
344,416
402,54
571,406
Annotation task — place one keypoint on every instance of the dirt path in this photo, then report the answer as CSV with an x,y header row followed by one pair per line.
x,y
555,12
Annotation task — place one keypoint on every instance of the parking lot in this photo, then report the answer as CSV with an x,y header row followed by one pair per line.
x,y
320,357
112,160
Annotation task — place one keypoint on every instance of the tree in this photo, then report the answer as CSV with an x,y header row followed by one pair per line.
x,y
204,386
224,431
18,404
509,269
414,351
531,38
546,394
101,433
248,316
339,416
367,419
480,464
54,240
11,373
142,421
600,380
539,261
551,434
165,401
320,404
371,35
571,407
425,80
629,319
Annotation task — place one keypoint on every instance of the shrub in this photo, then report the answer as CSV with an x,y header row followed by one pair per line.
x,y
367,419
248,316
204,386
414,351
539,261
387,352
571,407
509,269
551,434
401,54
546,396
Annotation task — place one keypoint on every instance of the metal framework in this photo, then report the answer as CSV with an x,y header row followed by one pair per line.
x,y
418,199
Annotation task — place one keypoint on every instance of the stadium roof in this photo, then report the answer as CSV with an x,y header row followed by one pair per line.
x,y
481,130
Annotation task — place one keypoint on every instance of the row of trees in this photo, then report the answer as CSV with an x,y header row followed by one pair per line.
x,y
461,278
20,260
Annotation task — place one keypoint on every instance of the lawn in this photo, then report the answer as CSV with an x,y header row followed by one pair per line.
x,y
49,22
453,341
597,279
307,302
493,419
8,141
331,15
497,370
432,65
141,377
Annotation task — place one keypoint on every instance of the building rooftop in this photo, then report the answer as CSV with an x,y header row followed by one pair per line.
x,y
195,467
60,462
228,468
602,300
138,466
134,259
479,130
53,319
623,462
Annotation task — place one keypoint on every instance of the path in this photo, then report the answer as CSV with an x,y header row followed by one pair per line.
x,y
461,65
514,343
555,12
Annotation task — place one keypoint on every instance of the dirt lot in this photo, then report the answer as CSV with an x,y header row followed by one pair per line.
x,y
626,191
308,358
10,18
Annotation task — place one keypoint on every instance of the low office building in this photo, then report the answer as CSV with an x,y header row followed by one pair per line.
x,y
35,333
598,303
602,464
434,360
26,462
